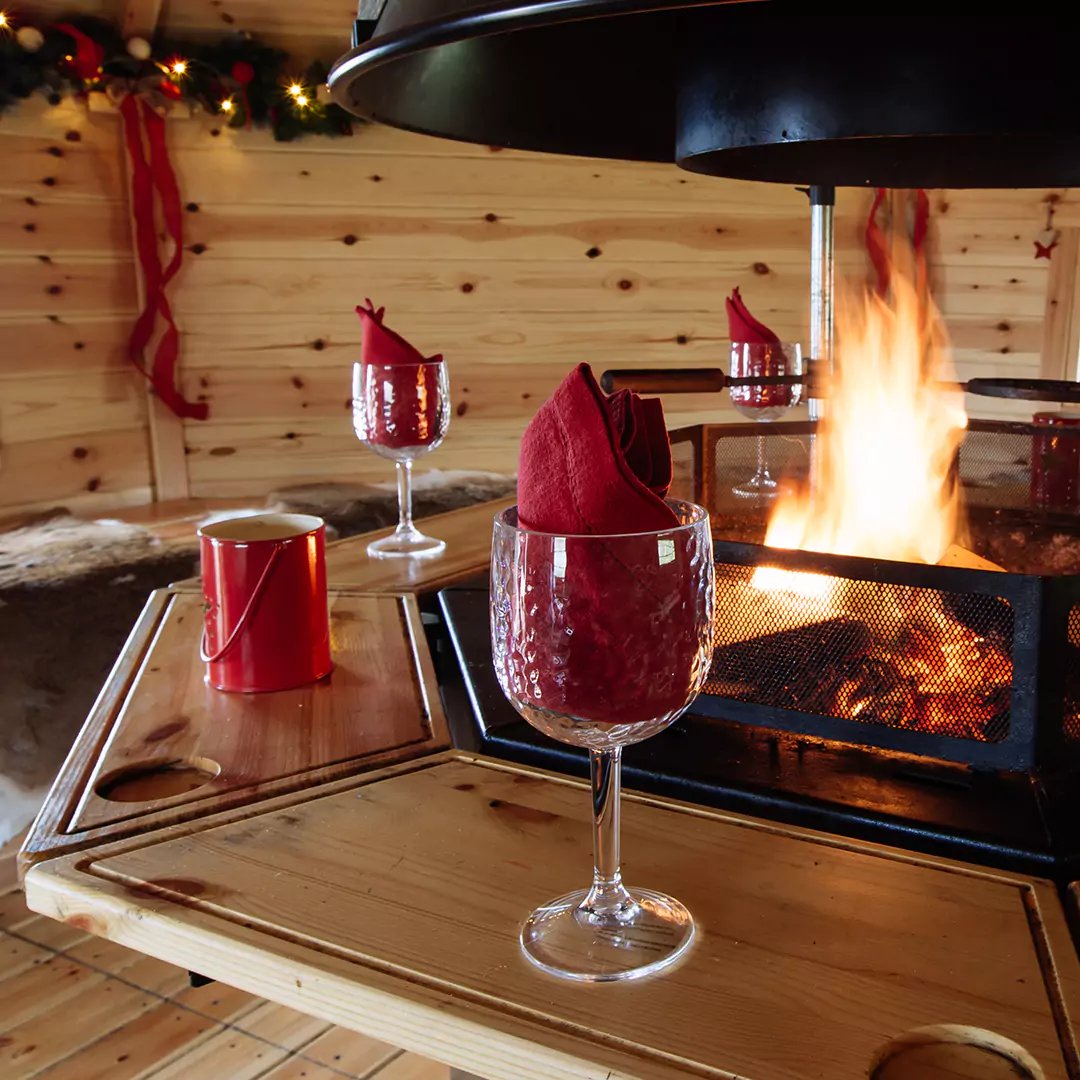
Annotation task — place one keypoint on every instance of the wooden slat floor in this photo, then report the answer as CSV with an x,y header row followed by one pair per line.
x,y
75,1007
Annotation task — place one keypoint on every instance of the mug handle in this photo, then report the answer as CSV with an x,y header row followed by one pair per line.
x,y
209,658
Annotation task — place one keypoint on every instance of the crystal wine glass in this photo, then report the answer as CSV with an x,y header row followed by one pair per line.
x,y
601,641
402,411
763,403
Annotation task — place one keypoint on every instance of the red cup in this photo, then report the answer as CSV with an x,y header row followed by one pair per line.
x,y
1055,462
267,625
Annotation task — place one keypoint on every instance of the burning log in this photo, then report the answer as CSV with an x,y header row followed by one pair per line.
x,y
955,555
800,668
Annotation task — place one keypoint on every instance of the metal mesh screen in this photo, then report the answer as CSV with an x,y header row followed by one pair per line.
x,y
1072,676
1021,467
1001,465
907,657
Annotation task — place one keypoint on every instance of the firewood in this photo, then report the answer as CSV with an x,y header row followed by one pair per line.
x,y
956,555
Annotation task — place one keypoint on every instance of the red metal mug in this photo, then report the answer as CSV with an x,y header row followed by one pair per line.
x,y
266,625
1055,462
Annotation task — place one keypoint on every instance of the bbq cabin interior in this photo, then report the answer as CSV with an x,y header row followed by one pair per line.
x,y
898,622
855,855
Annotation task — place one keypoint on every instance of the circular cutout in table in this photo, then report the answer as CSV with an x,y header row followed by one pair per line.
x,y
150,781
953,1052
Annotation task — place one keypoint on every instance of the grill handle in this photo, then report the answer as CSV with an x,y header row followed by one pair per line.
x,y
687,380
665,380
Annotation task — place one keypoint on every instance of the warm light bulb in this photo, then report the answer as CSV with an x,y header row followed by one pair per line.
x,y
301,100
227,105
4,22
296,90
179,67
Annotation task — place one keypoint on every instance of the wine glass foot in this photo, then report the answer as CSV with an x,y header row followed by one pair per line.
x,y
565,939
757,487
404,544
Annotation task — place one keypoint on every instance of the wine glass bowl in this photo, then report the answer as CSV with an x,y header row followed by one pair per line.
x,y
400,412
763,403
601,641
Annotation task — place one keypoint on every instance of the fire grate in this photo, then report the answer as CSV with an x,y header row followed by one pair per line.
x,y
968,665
908,657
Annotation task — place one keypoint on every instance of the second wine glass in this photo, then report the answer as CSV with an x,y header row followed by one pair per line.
x,y
764,402
401,411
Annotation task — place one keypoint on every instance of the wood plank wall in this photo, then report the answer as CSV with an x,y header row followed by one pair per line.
x,y
514,265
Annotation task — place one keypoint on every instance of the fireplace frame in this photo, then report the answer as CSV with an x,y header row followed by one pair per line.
x,y
1037,608
1041,606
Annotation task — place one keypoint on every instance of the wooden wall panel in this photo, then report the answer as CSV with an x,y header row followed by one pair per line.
x,y
72,411
515,265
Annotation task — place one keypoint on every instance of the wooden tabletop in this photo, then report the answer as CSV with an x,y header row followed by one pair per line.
x,y
467,533
390,903
375,881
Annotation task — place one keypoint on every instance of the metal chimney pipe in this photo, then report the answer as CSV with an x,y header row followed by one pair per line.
x,y
822,260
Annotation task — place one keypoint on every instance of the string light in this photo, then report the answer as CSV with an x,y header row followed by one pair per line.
x,y
178,68
5,22
299,93
226,105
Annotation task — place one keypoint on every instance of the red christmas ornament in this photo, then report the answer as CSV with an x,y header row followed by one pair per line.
x,y
243,72
170,89
86,59
1045,243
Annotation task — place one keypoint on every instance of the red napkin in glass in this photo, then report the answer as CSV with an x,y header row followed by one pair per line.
x,y
612,630
406,407
595,464
742,326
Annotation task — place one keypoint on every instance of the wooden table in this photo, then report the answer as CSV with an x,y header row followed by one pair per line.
x,y
154,708
383,891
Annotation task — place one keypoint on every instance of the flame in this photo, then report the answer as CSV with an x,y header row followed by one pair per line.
x,y
882,460
882,486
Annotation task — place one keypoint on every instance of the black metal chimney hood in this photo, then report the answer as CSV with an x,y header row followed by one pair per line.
x,y
754,90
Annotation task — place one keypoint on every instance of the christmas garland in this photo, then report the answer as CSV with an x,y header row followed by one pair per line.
x,y
238,80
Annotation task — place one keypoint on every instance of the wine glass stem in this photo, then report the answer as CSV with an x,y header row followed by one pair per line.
x,y
404,496
607,896
762,461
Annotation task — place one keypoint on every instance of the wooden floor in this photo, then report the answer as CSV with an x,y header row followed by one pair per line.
x,y
75,1007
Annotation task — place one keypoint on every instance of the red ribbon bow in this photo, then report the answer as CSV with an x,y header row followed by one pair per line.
x,y
152,177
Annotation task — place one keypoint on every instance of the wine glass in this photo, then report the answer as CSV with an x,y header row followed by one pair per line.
x,y
601,641
402,411
763,403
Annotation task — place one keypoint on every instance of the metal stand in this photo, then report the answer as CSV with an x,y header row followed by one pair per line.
x,y
822,203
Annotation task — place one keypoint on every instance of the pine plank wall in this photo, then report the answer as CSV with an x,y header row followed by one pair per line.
x,y
516,266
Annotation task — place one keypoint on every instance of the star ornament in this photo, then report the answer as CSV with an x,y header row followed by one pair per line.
x,y
1045,243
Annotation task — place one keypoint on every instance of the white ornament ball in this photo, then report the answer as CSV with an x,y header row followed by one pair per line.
x,y
139,48
322,94
30,38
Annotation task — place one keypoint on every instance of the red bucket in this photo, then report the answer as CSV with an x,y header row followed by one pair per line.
x,y
264,591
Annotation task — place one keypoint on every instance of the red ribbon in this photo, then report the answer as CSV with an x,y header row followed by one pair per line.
x,y
876,246
150,177
919,229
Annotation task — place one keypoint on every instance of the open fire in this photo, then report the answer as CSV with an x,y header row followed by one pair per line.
x,y
882,485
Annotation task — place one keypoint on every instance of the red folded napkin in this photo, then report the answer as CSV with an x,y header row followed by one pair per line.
x,y
381,345
742,326
595,464
404,400
611,625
